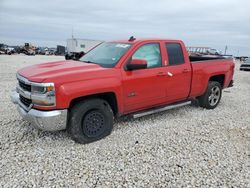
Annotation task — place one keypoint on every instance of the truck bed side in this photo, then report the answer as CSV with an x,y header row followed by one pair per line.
x,y
203,71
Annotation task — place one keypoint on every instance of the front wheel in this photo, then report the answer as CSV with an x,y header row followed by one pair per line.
x,y
90,120
212,96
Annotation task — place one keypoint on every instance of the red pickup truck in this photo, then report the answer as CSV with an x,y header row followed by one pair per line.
x,y
136,77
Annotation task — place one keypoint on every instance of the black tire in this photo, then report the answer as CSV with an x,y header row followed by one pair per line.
x,y
212,96
90,120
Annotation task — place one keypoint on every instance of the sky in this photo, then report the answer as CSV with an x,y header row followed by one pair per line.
x,y
208,23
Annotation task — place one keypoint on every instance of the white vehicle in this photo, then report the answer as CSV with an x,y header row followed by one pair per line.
x,y
76,48
203,51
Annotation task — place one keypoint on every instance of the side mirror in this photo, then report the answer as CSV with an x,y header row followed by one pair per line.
x,y
135,64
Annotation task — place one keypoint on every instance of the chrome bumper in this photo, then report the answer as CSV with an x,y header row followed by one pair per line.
x,y
53,120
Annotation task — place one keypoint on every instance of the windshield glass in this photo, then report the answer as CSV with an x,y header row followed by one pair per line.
x,y
248,61
106,54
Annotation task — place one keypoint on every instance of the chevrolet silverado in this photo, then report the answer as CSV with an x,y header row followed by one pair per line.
x,y
136,77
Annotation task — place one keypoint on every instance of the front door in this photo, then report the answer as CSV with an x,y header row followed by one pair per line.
x,y
144,88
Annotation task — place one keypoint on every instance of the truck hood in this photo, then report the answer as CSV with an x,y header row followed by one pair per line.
x,y
58,70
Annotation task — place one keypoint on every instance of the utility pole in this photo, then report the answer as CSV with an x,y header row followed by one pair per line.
x,y
72,33
225,50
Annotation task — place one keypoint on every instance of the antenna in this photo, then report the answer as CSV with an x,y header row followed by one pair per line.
x,y
131,39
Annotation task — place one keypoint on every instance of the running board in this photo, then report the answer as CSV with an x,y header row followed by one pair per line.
x,y
152,111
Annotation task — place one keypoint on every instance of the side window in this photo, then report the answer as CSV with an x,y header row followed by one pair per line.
x,y
175,54
151,53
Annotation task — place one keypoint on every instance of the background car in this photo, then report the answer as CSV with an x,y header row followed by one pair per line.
x,y
245,65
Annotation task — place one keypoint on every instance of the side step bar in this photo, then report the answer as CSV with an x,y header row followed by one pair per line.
x,y
152,111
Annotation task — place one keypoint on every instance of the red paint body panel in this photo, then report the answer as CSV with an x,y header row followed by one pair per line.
x,y
134,90
203,71
178,85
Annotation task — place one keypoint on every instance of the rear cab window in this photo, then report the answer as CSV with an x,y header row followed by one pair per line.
x,y
175,54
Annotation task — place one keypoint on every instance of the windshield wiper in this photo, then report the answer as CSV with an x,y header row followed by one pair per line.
x,y
90,62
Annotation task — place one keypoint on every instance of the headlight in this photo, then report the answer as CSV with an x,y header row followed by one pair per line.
x,y
43,88
43,94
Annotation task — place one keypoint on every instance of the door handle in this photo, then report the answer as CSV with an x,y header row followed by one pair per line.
x,y
170,74
161,74
185,71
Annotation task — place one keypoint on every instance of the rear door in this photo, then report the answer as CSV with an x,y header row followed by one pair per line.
x,y
178,73
145,88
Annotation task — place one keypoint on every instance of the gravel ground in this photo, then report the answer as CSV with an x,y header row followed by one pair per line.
x,y
186,147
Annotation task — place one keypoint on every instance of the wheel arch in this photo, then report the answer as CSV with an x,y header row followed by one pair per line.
x,y
110,97
218,78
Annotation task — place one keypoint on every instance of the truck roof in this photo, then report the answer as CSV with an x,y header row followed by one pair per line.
x,y
145,40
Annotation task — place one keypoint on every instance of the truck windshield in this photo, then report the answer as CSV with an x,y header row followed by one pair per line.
x,y
106,54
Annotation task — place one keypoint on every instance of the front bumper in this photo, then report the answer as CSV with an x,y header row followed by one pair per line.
x,y
53,120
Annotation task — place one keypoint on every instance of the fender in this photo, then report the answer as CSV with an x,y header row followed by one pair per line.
x,y
71,91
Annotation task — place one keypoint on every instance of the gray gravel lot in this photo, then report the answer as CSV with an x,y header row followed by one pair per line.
x,y
186,147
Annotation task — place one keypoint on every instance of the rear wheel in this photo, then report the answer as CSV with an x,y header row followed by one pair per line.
x,y
212,96
90,120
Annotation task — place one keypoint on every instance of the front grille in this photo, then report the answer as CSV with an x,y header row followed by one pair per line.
x,y
24,86
25,101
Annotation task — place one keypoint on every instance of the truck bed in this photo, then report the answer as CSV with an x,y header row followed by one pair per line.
x,y
194,59
206,67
